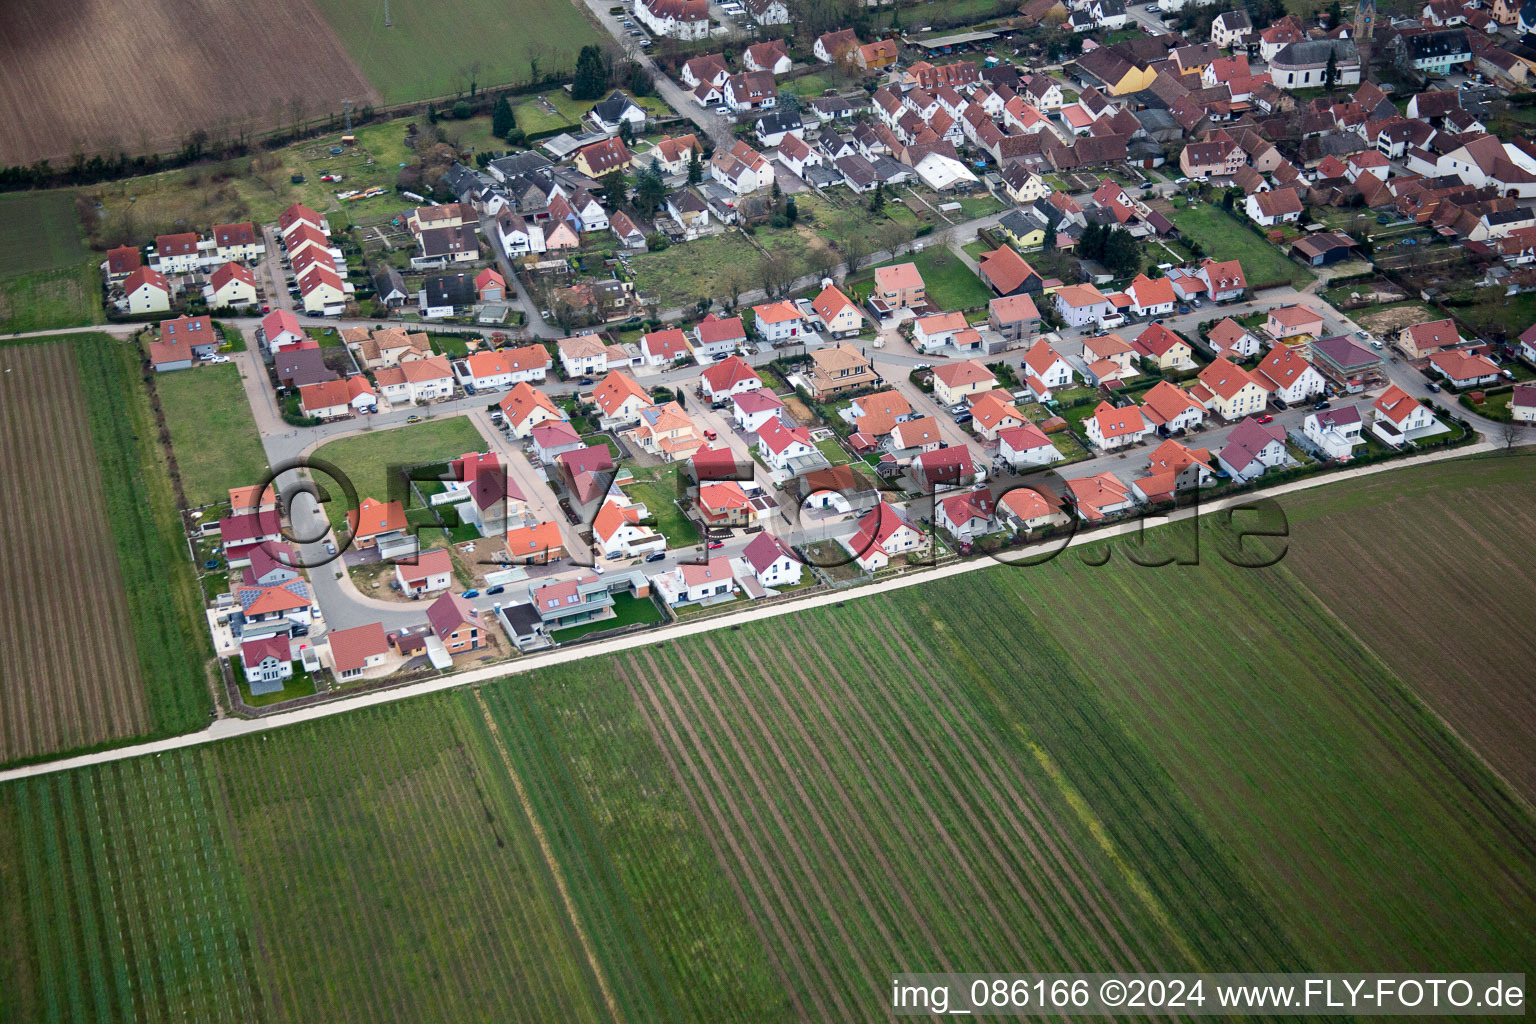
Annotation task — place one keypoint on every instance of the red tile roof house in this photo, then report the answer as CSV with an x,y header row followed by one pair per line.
x,y
333,399
120,262
1293,322
373,520
357,650
772,561
883,533
722,503
943,469
429,573
731,376
692,583
270,590
753,409
1099,497
1288,377
267,662
1464,369
1522,403
1421,340
1231,339
1170,409
182,339
1173,467
1400,418
966,516
455,624
1045,370
661,348
1111,429
1028,509
1252,448
716,336
1026,445
780,444
240,535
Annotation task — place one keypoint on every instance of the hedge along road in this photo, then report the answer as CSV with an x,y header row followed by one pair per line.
x,y
230,728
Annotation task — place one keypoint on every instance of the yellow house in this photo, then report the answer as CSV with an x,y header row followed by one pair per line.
x,y
1134,80
1023,186
953,383
1229,391
1024,232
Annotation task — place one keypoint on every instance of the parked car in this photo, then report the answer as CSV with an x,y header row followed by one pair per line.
x,y
1266,418
468,594
330,548
1433,386
586,382
709,434
1320,406
413,419
655,556
715,544
497,589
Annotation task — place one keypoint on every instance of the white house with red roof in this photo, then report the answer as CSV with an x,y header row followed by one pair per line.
x,y
280,329
956,382
1232,340
692,583
780,444
181,340
1252,449
1289,377
664,347
944,469
1045,370
358,650
416,380
619,532
1224,279
267,662
525,407
619,400
772,561
1229,391
237,242
1111,428
1522,403
177,254
778,321
1099,497
333,399
1401,418
752,410
882,534
1151,296
730,376
1026,445
1171,409
714,336
967,515
427,573
1464,369
1029,509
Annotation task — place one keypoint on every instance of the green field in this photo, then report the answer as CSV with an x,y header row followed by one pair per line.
x,y
39,231
367,457
950,283
212,431
422,55
48,280
765,823
1224,237
656,487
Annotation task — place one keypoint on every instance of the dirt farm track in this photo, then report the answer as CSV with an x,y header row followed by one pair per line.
x,y
138,75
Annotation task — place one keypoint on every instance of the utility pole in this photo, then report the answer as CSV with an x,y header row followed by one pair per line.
x,y
346,108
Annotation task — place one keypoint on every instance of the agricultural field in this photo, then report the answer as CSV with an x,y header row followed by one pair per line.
x,y
1468,524
68,92
213,433
367,457
808,800
426,53
96,551
1222,234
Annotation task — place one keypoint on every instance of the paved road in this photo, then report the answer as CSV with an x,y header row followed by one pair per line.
x,y
230,728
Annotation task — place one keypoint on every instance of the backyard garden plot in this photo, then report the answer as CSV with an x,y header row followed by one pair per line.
x,y
213,433
1470,529
1224,237
367,458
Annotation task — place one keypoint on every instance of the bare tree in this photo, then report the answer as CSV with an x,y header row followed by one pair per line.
x,y
855,250
776,273
732,282
893,235
823,263
1511,433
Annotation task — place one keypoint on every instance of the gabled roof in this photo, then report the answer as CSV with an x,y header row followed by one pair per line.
x,y
1225,378
615,389
764,550
726,374
351,648
964,373
1165,402
448,613
776,435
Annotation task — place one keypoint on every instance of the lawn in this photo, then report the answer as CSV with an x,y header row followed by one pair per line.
x,y
39,231
367,458
658,488
682,274
833,450
950,283
627,611
47,300
416,60
212,431
808,799
1224,237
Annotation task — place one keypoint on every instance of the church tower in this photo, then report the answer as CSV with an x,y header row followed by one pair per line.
x,y
1365,26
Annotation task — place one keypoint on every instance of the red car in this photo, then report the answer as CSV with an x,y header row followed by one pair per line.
x,y
716,544
266,308
1266,418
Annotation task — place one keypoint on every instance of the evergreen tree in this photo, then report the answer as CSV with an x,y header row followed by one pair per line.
x,y
695,167
502,118
591,77
615,189
650,191
1331,71
791,211
877,198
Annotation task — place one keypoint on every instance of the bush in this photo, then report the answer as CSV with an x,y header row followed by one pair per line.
x,y
462,110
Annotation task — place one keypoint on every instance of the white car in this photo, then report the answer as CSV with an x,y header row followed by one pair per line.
x,y
217,359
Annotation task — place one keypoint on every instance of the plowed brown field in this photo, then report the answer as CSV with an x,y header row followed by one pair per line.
x,y
142,74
